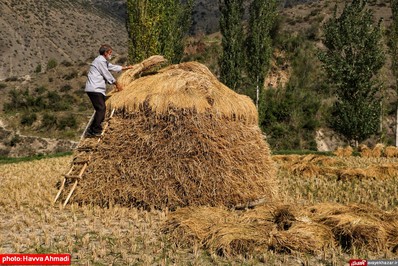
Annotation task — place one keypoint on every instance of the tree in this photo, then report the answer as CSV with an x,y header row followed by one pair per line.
x,y
232,58
259,42
394,54
352,59
157,27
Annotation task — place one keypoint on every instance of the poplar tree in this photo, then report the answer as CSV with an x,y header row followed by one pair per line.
x,y
157,27
232,59
352,60
259,42
394,53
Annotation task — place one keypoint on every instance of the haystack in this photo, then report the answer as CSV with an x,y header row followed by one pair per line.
x,y
179,137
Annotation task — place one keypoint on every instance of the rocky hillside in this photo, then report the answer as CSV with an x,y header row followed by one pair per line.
x,y
32,32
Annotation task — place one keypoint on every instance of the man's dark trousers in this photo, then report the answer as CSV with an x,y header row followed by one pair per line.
x,y
98,101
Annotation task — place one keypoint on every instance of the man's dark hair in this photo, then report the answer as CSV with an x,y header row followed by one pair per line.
x,y
104,48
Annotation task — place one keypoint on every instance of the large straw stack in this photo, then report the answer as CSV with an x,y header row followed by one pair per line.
x,y
179,137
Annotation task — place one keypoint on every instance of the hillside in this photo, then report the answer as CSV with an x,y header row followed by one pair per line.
x,y
34,31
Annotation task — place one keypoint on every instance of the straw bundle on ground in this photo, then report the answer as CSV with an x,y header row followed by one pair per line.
x,y
343,151
391,151
360,226
179,137
364,151
310,229
311,165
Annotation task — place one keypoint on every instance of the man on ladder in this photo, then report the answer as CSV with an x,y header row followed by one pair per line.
x,y
99,74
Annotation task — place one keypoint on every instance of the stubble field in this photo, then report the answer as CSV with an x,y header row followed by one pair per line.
x,y
29,223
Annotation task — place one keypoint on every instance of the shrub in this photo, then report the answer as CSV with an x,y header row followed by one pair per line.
x,y
66,87
52,63
40,90
11,79
68,121
71,75
48,121
28,119
15,140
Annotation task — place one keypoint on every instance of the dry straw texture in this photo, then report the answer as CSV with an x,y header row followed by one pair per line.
x,y
286,228
187,86
179,138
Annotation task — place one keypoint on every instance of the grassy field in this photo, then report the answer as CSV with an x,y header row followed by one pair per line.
x,y
121,236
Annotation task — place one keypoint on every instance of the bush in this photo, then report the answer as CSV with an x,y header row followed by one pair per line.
x,y
48,121
28,119
11,79
68,121
40,90
71,75
55,102
52,63
66,87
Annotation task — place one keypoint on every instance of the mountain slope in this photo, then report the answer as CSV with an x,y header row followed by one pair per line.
x,y
34,31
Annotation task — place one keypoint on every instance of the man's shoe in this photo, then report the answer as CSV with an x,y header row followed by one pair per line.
x,y
93,134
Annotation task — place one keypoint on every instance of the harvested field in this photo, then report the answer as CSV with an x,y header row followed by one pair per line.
x,y
162,187
130,236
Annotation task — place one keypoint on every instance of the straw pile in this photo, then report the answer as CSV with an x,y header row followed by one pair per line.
x,y
179,137
285,228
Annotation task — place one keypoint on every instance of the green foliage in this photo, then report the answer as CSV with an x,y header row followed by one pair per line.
x,y
232,61
14,140
24,100
65,88
357,120
68,121
52,63
259,42
71,75
394,38
157,27
393,44
289,118
48,121
352,59
40,90
27,119
9,160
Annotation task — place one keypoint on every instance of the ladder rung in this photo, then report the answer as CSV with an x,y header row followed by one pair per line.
x,y
73,176
81,161
85,149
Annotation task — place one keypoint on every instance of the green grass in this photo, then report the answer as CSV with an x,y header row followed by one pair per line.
x,y
301,152
8,160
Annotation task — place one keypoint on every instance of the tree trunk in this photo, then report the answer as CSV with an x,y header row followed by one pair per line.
x,y
396,129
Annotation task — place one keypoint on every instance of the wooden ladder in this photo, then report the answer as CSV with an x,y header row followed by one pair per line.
x,y
80,161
